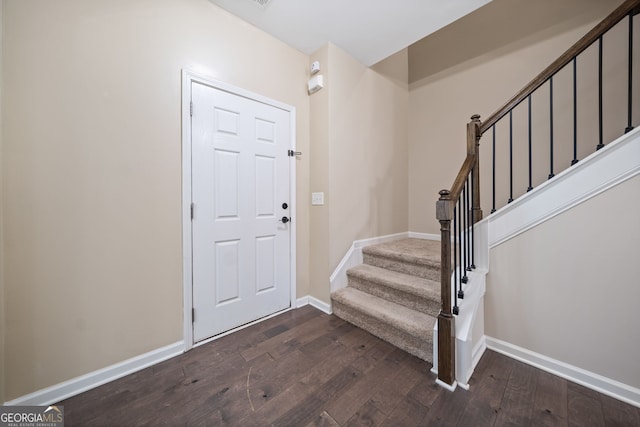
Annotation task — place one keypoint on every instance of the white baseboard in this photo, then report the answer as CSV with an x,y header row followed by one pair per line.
x,y
424,236
613,388
446,386
314,302
72,387
380,239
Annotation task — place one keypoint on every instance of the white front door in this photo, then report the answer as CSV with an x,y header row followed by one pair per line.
x,y
241,197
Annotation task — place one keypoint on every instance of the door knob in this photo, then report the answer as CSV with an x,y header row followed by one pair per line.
x,y
285,220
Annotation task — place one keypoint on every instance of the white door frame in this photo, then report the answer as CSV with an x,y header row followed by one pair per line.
x,y
189,77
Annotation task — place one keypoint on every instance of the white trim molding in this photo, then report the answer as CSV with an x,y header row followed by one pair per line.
x,y
74,386
599,383
314,302
424,236
617,162
187,255
444,385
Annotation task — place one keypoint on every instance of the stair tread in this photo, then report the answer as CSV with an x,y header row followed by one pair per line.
x,y
414,285
417,251
401,317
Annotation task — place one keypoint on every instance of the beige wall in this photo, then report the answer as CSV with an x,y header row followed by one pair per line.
x,y
2,298
91,168
319,269
359,157
575,298
475,65
368,152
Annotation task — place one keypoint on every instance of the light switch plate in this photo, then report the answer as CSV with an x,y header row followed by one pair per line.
x,y
317,199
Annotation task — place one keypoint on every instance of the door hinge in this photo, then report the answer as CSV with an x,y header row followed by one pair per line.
x,y
191,108
292,153
192,208
193,315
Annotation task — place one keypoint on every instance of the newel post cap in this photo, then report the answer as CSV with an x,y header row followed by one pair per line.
x,y
475,117
444,207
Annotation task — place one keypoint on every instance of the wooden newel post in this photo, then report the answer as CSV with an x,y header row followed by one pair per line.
x,y
473,148
446,321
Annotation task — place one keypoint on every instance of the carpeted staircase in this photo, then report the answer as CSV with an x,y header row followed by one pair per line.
x,y
395,294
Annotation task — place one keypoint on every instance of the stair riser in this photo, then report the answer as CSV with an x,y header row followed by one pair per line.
x,y
418,346
431,272
409,300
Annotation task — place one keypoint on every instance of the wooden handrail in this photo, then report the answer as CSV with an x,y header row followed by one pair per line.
x,y
461,178
629,6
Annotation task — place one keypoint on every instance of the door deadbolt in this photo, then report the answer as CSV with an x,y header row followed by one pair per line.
x,y
285,205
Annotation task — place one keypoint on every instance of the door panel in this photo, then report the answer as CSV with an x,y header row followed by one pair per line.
x,y
240,179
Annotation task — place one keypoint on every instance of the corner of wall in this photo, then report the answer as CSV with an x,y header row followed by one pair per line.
x,y
358,157
395,68
319,182
368,151
2,299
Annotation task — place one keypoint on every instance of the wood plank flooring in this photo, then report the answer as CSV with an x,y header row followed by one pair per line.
x,y
306,368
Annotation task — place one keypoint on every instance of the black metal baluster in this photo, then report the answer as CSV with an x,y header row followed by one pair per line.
x,y
473,232
468,215
575,112
493,173
629,127
551,175
456,310
600,130
463,263
510,157
460,240
460,293
530,150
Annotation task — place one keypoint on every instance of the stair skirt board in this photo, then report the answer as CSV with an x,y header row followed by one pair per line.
x,y
614,164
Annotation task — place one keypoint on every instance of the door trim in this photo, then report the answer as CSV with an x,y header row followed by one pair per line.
x,y
189,77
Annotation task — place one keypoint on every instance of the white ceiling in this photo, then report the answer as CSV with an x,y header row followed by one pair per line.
x,y
369,30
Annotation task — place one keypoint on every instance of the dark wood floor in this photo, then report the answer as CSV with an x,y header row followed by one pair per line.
x,y
308,368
